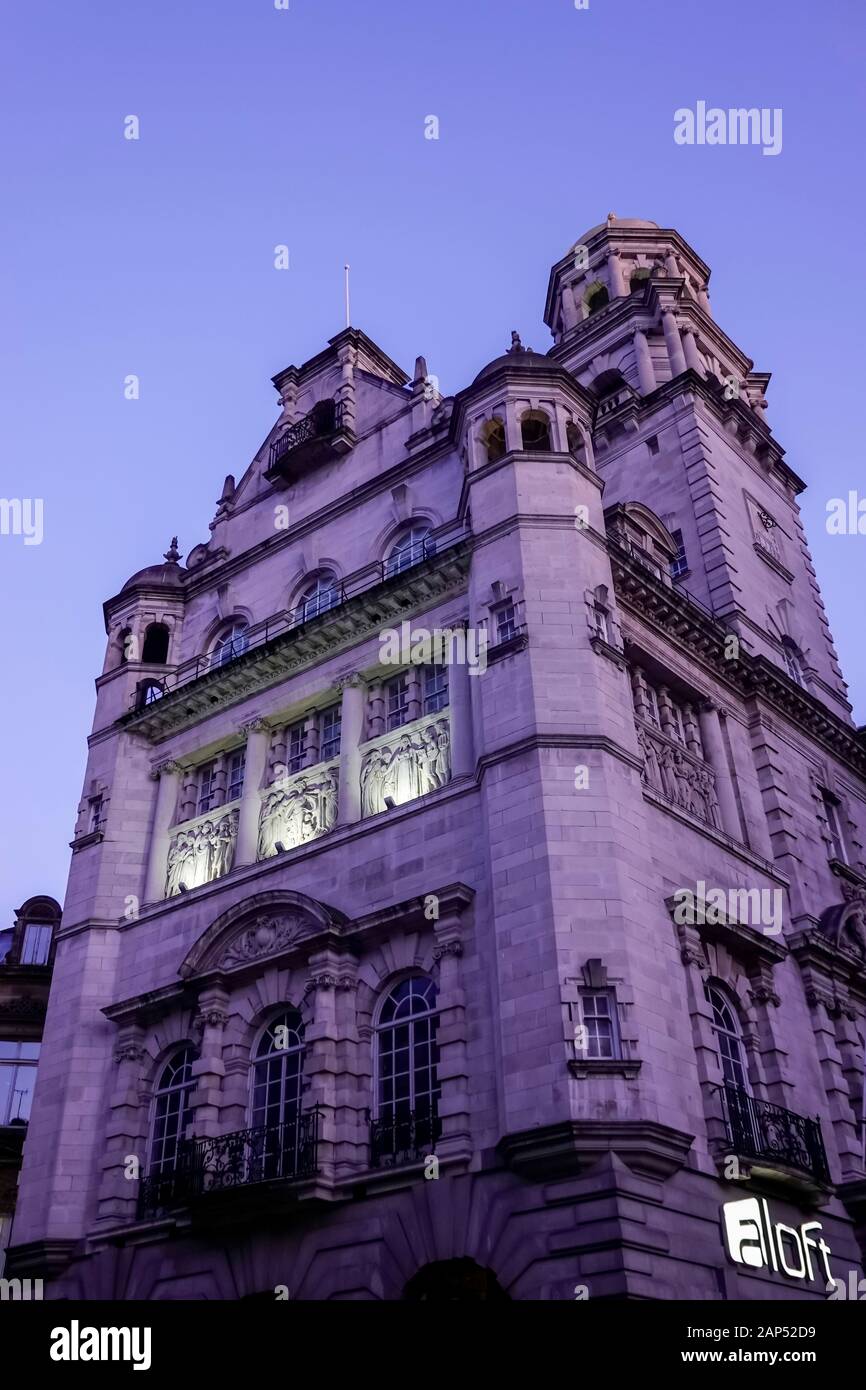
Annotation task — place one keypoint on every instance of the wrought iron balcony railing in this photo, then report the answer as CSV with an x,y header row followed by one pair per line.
x,y
323,421
760,1130
405,1137
268,1153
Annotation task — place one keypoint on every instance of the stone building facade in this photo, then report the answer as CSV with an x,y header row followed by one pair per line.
x,y
467,898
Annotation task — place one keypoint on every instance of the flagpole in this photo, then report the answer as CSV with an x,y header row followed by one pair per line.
x,y
348,320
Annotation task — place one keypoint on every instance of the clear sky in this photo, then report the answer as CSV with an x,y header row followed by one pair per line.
x,y
305,127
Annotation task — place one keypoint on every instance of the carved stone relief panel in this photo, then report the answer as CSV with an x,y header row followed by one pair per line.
x,y
406,764
298,809
201,851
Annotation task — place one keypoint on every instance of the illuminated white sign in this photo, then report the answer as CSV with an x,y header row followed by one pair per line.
x,y
754,1240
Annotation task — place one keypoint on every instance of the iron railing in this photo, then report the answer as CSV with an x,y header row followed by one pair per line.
x,y
325,419
266,1153
759,1129
405,1137
288,620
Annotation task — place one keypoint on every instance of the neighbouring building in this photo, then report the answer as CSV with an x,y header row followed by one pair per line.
x,y
26,958
468,895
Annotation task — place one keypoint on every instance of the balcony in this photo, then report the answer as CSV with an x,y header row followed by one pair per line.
x,y
768,1134
246,1159
314,439
407,1137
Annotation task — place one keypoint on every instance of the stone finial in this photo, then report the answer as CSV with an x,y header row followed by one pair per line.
x,y
516,344
172,555
611,217
420,369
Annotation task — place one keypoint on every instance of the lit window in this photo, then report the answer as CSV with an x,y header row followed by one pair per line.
x,y
729,1041
407,1065
435,688
296,746
37,944
17,1079
321,596
411,549
506,622
330,727
231,644
598,1010
680,563
397,695
834,827
171,1112
237,764
206,788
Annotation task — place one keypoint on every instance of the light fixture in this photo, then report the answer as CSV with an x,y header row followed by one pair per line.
x,y
182,888
390,802
279,847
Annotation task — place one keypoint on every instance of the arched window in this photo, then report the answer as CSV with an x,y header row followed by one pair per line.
x,y
231,643
412,547
535,432
794,661
596,299
729,1038
574,439
318,597
407,1079
171,1112
638,279
147,693
126,643
156,644
276,1080
493,440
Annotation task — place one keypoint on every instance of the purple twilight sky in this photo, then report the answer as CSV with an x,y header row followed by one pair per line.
x,y
305,126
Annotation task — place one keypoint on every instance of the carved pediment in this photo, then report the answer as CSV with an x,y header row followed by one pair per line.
x,y
844,924
263,927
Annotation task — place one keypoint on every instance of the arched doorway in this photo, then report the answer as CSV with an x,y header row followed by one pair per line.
x,y
454,1281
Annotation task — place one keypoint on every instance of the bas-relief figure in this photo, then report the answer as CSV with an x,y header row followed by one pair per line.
x,y
411,766
681,778
202,853
295,812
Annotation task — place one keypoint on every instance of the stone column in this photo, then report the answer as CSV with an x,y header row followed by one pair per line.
x,y
168,778
716,755
209,1070
646,373
672,266
126,1131
258,738
673,342
311,737
617,279
460,701
331,975
704,299
690,346
570,316
351,737
454,1106
416,693
513,435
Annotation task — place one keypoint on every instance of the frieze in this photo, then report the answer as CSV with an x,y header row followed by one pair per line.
x,y
679,776
266,936
413,763
296,810
201,852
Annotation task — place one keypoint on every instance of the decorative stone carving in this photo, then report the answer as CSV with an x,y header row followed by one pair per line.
x,y
296,810
211,1018
414,762
844,924
266,936
201,851
678,775
129,1052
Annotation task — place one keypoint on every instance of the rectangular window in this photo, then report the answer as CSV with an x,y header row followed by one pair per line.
x,y
506,622
435,688
397,698
680,563
237,765
602,629
206,788
653,713
296,746
653,443
834,827
599,1017
37,944
17,1079
330,724
95,814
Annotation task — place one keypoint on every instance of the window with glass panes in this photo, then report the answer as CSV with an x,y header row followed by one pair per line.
x,y
206,788
729,1039
17,1079
237,764
171,1111
598,1009
95,813
408,1054
834,826
679,564
600,618
330,723
397,701
276,1083
37,944
296,746
506,622
435,688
